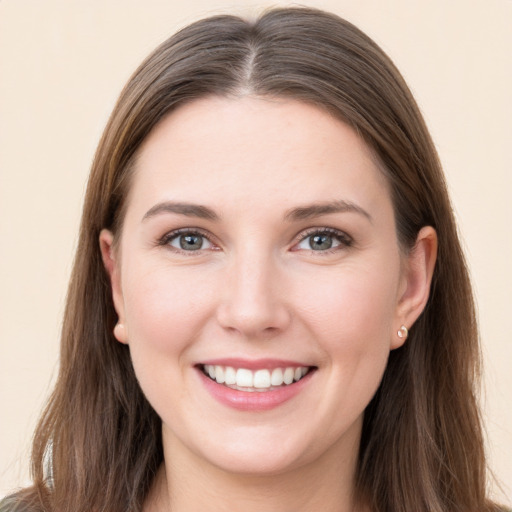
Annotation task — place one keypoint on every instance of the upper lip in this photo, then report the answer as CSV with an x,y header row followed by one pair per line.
x,y
253,364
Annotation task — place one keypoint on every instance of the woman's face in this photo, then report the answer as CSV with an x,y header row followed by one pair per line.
x,y
258,248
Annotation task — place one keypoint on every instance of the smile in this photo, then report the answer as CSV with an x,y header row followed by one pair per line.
x,y
243,379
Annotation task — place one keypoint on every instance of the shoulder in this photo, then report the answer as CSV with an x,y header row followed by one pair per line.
x,y
7,505
13,504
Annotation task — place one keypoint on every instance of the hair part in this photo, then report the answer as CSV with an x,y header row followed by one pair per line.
x,y
422,447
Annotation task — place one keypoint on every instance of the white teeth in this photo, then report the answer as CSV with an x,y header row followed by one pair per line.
x,y
288,375
219,374
230,376
277,377
249,380
262,379
244,378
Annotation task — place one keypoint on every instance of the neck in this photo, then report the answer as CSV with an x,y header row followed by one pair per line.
x,y
186,483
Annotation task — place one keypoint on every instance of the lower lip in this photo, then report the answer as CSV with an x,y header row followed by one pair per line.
x,y
256,400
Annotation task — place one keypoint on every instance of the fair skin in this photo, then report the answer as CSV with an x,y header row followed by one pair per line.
x,y
286,256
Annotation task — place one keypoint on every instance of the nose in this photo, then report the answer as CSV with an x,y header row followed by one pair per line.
x,y
252,300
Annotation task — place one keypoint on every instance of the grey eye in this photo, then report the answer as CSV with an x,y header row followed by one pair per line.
x,y
320,242
190,242
323,240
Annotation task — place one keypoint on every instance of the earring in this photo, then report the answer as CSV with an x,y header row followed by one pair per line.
x,y
403,332
119,332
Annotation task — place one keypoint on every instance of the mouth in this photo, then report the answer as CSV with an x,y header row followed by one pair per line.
x,y
256,380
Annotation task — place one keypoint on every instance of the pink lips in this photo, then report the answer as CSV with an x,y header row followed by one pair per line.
x,y
253,400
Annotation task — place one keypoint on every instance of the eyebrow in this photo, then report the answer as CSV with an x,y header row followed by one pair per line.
x,y
295,214
188,209
318,209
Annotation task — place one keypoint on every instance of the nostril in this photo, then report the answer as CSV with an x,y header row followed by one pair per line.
x,y
253,320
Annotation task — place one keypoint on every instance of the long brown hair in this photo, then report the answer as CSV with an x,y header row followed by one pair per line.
x,y
98,444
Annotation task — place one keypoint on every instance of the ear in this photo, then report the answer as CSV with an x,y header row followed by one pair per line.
x,y
418,268
111,264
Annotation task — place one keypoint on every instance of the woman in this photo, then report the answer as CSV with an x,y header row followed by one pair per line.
x,y
269,300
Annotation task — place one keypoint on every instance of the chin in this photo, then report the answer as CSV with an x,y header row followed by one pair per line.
x,y
260,452
250,450
260,464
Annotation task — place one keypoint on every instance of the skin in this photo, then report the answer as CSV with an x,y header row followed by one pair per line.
x,y
257,289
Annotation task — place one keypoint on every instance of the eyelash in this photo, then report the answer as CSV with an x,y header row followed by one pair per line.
x,y
172,235
344,240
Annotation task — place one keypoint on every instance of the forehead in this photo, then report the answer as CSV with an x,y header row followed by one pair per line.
x,y
252,149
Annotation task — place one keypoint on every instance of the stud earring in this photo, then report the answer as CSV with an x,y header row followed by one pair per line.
x,y
120,332
403,332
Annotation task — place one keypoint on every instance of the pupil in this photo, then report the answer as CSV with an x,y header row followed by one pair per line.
x,y
321,242
191,242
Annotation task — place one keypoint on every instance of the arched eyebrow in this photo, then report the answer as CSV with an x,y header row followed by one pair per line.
x,y
295,214
187,209
318,209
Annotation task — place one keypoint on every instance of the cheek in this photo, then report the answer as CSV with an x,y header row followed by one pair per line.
x,y
353,306
353,324
165,308
352,318
166,311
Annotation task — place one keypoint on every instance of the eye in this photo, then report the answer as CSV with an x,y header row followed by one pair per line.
x,y
189,241
323,240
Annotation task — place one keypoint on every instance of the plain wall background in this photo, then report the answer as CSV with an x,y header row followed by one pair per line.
x,y
62,65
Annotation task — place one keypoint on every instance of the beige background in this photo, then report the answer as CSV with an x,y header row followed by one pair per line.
x,y
62,64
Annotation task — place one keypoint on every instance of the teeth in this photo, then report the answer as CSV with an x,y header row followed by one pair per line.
x,y
229,376
277,377
250,380
288,375
262,379
244,378
219,374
